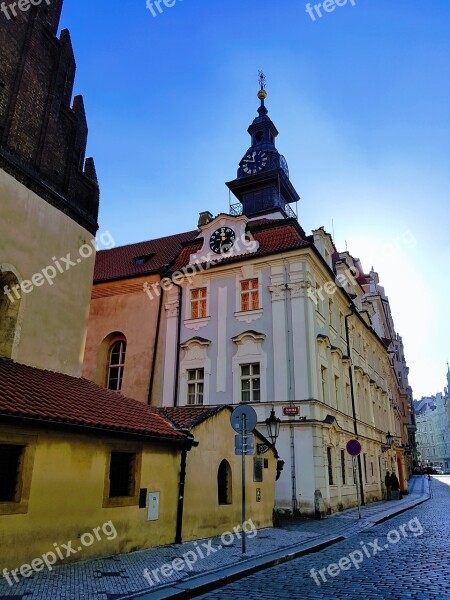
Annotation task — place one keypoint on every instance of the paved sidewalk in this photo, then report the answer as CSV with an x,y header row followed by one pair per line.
x,y
122,576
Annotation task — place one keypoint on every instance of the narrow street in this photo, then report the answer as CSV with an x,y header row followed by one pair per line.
x,y
409,558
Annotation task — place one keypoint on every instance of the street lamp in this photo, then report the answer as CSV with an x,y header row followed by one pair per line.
x,y
389,442
273,426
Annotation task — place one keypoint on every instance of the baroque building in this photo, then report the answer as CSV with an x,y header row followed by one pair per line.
x,y
251,309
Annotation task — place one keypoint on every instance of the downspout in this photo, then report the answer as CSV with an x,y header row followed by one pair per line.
x,y
155,348
352,394
181,486
177,362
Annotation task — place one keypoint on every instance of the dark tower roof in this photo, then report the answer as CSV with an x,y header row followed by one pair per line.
x,y
42,135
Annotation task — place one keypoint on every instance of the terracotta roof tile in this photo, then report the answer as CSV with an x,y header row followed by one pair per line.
x,y
48,396
186,417
120,262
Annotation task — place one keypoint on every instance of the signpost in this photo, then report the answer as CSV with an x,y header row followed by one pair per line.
x,y
243,421
354,449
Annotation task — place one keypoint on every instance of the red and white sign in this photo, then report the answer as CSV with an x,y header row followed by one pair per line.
x,y
291,411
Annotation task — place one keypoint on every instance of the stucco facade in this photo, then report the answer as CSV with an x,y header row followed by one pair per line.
x,y
49,328
121,310
66,479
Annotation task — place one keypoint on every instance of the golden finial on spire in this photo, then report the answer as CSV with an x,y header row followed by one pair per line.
x,y
262,94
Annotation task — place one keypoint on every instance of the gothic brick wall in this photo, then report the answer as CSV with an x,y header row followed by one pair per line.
x,y
42,135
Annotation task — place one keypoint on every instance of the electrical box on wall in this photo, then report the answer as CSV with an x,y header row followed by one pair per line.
x,y
153,506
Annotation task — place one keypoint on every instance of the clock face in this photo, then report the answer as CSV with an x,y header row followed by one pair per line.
x,y
284,165
254,162
222,240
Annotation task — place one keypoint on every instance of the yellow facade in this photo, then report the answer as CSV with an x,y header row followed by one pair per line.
x,y
203,515
64,497
50,328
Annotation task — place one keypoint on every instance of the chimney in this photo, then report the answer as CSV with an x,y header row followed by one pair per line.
x,y
204,218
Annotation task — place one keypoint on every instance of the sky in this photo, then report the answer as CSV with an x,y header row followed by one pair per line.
x,y
360,96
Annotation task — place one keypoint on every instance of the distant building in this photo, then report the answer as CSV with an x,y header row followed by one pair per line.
x,y
433,428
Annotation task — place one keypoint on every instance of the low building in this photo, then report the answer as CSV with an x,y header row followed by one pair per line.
x,y
212,498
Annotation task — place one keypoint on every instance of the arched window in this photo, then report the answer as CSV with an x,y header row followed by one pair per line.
x,y
10,298
224,483
116,365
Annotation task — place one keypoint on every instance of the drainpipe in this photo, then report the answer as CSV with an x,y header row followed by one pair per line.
x,y
177,362
181,486
352,394
155,347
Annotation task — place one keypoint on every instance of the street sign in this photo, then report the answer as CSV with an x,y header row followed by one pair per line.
x,y
291,411
237,415
354,448
243,420
248,441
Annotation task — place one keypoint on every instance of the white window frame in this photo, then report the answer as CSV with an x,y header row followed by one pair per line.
x,y
251,377
196,382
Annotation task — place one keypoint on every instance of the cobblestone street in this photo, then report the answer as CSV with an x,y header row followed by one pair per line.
x,y
417,566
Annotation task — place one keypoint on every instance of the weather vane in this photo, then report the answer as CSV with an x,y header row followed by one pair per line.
x,y
262,94
262,80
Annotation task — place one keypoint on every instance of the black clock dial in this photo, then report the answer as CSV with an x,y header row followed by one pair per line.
x,y
222,240
284,165
254,162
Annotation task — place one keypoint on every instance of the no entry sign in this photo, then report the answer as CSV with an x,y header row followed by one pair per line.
x,y
354,448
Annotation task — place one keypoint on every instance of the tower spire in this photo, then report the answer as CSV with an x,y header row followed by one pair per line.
x,y
262,94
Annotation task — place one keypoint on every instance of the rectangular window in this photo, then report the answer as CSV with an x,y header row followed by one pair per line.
x,y
344,479
250,383
258,470
196,381
336,391
330,466
365,468
249,294
330,311
122,474
11,457
323,374
198,303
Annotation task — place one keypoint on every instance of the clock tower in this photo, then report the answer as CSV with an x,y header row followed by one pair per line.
x,y
262,185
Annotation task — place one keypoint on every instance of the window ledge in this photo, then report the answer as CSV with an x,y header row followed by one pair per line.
x,y
197,324
247,316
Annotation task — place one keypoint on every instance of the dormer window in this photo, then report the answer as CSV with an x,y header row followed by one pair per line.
x,y
142,260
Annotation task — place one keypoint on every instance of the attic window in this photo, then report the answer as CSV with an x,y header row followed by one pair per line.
x,y
142,260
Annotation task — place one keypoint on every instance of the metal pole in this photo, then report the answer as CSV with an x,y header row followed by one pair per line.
x,y
355,476
244,453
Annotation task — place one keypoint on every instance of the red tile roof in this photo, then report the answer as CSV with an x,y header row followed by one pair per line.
x,y
33,394
119,263
186,417
273,237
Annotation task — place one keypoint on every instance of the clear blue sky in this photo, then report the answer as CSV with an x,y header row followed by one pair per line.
x,y
361,98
